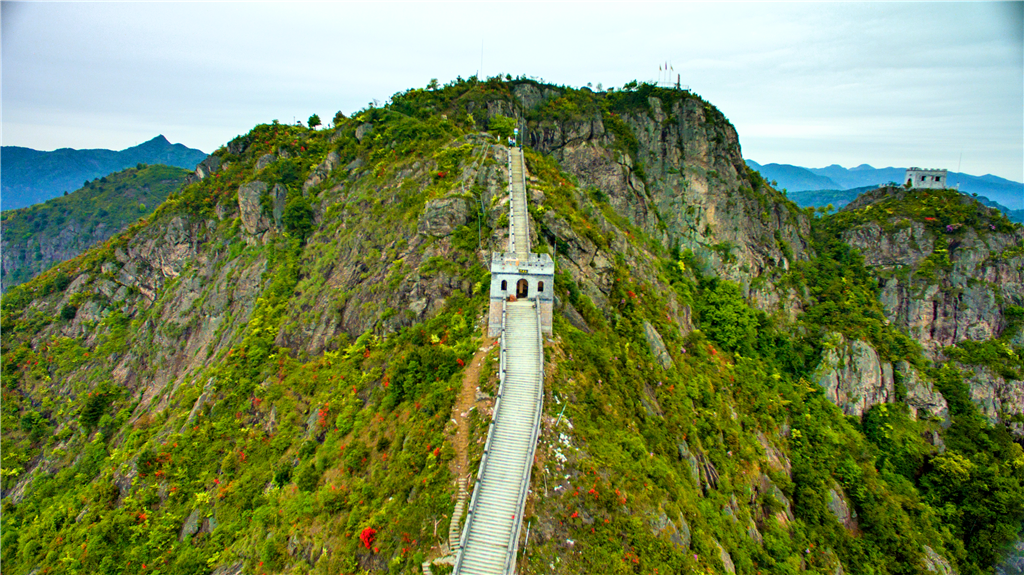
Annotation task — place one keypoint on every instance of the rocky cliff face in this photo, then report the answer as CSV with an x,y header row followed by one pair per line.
x,y
674,169
855,379
947,303
948,270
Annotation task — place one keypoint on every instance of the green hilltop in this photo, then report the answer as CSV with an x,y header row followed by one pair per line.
x,y
284,368
37,237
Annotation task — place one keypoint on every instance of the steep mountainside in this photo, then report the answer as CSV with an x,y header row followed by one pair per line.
x,y
284,369
32,176
59,229
951,275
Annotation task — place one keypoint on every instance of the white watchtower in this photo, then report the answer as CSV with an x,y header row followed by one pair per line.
x,y
927,179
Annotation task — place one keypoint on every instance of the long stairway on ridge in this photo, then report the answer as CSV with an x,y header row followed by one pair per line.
x,y
491,535
520,215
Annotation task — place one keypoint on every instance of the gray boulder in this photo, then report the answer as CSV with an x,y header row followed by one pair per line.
x,y
250,207
657,345
843,511
441,217
264,161
853,376
321,171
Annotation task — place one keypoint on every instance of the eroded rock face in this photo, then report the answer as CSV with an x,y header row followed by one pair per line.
x,y
249,207
441,217
690,190
321,172
855,379
841,510
941,301
264,161
362,130
922,399
978,276
657,345
207,167
531,96
994,395
853,376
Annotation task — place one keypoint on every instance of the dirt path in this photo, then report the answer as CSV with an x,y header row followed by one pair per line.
x,y
466,400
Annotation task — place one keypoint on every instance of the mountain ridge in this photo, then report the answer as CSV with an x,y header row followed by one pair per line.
x,y
33,176
261,377
39,236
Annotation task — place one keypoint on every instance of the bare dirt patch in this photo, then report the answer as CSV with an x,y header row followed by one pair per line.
x,y
466,400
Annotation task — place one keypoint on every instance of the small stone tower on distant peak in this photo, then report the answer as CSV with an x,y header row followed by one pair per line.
x,y
927,179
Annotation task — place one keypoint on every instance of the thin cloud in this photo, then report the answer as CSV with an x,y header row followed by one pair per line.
x,y
845,83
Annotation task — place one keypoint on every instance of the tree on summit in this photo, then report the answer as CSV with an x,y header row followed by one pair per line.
x,y
314,121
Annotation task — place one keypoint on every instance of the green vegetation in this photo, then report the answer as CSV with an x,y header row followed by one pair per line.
x,y
282,402
942,212
97,211
502,126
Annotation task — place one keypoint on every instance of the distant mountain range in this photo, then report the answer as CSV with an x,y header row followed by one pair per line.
x,y
32,177
835,177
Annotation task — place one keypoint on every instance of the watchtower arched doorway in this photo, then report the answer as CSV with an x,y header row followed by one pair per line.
x,y
522,289
504,285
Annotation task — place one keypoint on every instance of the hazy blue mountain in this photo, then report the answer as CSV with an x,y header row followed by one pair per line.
x,y
33,176
822,198
794,177
862,175
798,179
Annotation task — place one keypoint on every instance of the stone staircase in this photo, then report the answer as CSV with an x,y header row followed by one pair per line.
x,y
492,529
454,532
488,543
520,214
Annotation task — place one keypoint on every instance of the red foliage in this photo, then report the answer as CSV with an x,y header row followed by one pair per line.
x,y
367,536
461,363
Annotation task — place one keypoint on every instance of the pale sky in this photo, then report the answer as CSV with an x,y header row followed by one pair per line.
x,y
810,84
